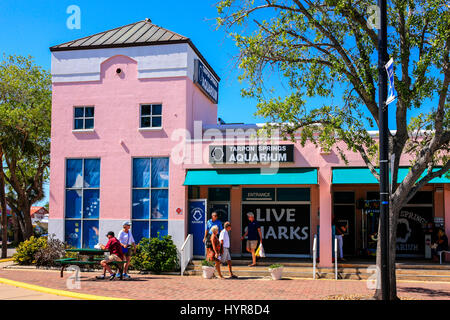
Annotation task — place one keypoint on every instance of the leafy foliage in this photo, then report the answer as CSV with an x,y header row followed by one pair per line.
x,y
207,263
326,49
25,118
25,252
156,255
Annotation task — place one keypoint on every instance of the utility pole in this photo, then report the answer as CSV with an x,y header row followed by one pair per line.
x,y
384,151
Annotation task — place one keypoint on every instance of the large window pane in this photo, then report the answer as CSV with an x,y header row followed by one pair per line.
x,y
73,233
160,204
92,173
90,233
74,178
140,229
160,173
159,227
141,173
141,206
73,203
91,204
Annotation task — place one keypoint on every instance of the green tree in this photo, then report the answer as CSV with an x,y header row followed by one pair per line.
x,y
326,49
25,117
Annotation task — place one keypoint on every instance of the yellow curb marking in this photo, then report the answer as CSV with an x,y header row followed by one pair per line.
x,y
56,291
6,260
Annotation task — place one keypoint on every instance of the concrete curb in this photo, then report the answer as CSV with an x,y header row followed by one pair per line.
x,y
6,260
57,292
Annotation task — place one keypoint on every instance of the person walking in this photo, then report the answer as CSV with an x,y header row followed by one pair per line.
x,y
224,239
216,252
126,239
339,234
252,233
214,221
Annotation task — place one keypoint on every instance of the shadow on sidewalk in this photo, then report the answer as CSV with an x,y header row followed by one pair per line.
x,y
425,291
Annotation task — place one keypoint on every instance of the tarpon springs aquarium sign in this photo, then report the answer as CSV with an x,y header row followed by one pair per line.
x,y
284,227
206,81
251,153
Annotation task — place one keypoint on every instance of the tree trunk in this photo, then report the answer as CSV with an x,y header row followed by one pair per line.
x,y
3,209
16,227
393,214
25,208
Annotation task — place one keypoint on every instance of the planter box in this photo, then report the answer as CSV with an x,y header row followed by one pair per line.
x,y
208,272
276,273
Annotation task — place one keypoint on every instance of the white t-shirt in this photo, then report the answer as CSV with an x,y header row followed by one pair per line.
x,y
225,237
123,237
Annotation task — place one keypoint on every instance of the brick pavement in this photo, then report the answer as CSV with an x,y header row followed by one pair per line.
x,y
165,287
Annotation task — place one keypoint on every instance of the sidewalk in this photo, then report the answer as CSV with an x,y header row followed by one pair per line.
x,y
167,287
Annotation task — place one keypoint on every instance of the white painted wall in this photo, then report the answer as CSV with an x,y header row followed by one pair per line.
x,y
156,61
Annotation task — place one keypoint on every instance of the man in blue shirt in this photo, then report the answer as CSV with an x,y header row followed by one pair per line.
x,y
211,222
252,233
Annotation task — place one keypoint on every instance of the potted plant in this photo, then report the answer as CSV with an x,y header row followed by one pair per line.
x,y
208,269
276,270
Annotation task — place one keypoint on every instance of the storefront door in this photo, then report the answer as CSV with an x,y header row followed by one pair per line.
x,y
344,216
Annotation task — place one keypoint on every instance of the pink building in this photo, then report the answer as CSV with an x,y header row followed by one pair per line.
x,y
135,137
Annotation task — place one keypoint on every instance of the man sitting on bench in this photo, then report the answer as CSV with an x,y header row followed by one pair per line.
x,y
116,254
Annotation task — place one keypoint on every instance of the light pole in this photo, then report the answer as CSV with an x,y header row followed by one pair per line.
x,y
384,151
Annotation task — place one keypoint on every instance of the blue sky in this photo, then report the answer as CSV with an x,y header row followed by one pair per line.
x,y
31,27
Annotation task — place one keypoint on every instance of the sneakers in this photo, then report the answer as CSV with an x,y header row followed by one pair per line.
x,y
102,277
112,277
118,275
126,276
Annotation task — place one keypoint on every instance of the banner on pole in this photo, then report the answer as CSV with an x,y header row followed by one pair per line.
x,y
392,95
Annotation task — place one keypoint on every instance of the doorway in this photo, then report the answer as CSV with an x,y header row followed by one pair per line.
x,y
344,216
219,202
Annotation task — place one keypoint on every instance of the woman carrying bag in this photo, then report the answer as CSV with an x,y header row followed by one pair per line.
x,y
127,241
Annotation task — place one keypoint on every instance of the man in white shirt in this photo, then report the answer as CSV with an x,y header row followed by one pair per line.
x,y
224,239
129,246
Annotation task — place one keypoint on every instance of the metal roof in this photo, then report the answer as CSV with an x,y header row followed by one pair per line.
x,y
141,33
138,33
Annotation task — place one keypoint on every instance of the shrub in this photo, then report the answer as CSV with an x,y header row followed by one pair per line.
x,y
27,249
274,266
55,249
207,263
156,255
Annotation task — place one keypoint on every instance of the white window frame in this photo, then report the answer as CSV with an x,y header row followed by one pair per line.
x,y
84,118
151,116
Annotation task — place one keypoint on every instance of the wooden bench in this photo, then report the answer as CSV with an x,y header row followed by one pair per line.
x,y
96,261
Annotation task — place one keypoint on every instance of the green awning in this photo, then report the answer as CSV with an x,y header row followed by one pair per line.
x,y
364,176
221,177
